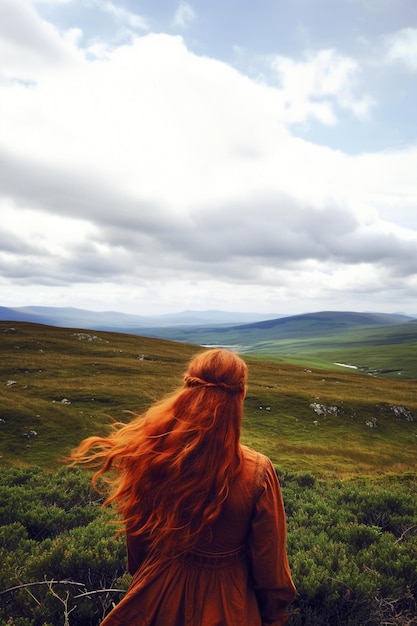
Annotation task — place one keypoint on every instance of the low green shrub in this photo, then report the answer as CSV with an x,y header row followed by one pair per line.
x,y
353,551
352,547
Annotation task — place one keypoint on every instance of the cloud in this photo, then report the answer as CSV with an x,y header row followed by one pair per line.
x,y
133,20
98,233
184,15
402,46
151,172
319,86
28,44
52,2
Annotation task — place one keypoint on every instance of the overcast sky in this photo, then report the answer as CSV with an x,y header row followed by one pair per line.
x,y
157,155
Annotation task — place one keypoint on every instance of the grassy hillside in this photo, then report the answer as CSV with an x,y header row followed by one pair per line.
x,y
376,343
389,351
59,385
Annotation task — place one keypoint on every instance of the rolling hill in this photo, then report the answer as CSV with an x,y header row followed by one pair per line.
x,y
376,343
59,385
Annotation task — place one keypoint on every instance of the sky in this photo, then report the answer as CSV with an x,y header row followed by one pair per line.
x,y
161,155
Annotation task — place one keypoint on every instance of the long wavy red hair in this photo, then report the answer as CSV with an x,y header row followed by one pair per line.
x,y
174,463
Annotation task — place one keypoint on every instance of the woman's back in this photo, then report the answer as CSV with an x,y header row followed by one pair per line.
x,y
203,515
231,529
237,574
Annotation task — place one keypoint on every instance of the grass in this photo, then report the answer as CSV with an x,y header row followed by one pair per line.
x,y
63,384
59,385
341,444
390,360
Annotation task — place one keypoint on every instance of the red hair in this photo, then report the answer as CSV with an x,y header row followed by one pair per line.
x,y
174,463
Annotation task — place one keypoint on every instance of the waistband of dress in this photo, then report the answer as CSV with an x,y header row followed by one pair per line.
x,y
214,560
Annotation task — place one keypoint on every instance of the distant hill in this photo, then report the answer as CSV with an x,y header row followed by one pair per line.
x,y
21,315
327,322
119,322
377,343
320,324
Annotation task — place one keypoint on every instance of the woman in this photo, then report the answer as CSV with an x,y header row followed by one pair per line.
x,y
203,514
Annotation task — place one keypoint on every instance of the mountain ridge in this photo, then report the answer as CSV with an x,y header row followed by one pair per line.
x,y
115,320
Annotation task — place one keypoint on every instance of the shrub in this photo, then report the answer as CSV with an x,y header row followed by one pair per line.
x,y
352,547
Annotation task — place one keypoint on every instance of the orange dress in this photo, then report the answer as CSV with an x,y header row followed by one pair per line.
x,y
238,575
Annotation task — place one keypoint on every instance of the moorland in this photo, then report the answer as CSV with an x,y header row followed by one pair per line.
x,y
62,384
343,440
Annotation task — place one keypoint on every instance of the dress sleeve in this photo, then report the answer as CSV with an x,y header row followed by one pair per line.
x,y
271,574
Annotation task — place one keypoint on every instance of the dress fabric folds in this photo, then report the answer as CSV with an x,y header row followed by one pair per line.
x,y
238,574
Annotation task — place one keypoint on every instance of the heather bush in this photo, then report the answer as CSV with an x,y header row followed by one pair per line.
x,y
352,547
353,551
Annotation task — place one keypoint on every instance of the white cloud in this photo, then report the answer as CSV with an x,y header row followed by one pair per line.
x,y
30,46
133,20
402,46
319,86
184,15
50,2
153,173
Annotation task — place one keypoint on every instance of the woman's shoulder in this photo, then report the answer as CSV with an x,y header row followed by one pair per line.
x,y
253,456
255,464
